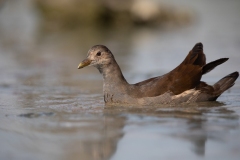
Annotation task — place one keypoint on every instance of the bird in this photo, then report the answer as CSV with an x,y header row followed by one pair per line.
x,y
181,85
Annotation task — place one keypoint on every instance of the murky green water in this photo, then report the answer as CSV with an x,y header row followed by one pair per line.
x,y
51,110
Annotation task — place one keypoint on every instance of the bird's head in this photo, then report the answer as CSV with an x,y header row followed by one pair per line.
x,y
98,56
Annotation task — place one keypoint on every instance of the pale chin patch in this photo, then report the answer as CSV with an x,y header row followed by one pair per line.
x,y
93,63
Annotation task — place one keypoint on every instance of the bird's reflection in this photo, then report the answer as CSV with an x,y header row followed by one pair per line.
x,y
199,124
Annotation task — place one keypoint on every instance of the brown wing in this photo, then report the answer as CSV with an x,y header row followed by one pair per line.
x,y
184,77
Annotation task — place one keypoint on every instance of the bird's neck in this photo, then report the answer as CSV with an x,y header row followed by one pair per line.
x,y
113,79
112,73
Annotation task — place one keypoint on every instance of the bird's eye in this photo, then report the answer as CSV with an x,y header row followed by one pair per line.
x,y
99,53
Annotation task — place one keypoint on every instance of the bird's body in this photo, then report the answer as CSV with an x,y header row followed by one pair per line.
x,y
182,84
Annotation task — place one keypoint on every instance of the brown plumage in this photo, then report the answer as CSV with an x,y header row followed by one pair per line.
x,y
182,84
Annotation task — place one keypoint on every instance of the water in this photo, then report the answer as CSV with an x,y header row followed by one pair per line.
x,y
51,110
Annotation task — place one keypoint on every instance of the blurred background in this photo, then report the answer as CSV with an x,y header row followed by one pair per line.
x,y
42,43
147,37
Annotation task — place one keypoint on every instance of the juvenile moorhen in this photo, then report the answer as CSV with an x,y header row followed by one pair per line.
x,y
182,84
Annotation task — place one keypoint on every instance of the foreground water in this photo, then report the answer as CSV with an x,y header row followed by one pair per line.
x,y
51,110
64,123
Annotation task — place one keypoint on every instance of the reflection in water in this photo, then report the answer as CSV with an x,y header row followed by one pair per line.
x,y
201,127
163,125
66,137
86,133
199,140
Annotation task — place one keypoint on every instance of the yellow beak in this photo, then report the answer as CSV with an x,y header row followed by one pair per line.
x,y
84,63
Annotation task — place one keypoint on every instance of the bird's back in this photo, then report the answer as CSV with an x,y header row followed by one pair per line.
x,y
184,77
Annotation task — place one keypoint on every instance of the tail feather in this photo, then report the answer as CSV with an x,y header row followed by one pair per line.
x,y
201,58
198,48
211,93
196,56
225,83
210,66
